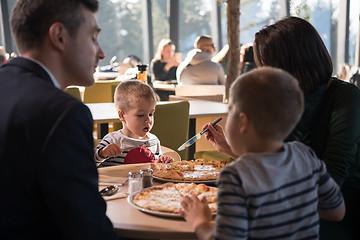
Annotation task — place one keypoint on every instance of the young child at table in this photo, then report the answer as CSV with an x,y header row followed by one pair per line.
x,y
135,103
274,189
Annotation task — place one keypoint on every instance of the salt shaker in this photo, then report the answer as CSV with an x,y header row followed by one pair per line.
x,y
134,182
147,177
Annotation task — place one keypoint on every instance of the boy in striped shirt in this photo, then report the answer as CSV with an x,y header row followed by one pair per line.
x,y
274,190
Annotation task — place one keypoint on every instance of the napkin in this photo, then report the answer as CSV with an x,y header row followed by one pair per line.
x,y
118,195
105,180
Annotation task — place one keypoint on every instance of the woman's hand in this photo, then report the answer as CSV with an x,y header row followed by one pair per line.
x,y
173,62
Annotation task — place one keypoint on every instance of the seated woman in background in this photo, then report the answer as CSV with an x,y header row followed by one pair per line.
x,y
330,123
163,66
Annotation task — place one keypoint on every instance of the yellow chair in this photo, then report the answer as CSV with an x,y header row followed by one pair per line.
x,y
74,91
100,92
171,153
212,155
171,125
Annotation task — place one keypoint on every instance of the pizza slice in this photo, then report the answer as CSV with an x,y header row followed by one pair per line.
x,y
200,190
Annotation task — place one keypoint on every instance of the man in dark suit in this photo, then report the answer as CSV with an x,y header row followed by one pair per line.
x,y
48,179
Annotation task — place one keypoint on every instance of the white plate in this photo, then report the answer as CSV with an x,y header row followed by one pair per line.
x,y
183,181
157,213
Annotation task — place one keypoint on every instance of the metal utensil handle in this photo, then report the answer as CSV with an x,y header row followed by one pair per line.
x,y
212,124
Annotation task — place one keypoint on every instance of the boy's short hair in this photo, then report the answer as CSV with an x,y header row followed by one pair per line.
x,y
129,92
271,98
203,40
30,20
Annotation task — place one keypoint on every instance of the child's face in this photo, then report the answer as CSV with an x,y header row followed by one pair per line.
x,y
139,120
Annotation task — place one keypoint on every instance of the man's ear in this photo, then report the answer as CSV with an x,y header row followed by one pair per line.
x,y
121,115
58,35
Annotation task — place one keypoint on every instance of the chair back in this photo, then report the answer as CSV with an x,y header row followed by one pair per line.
x,y
74,91
100,92
203,92
172,125
171,153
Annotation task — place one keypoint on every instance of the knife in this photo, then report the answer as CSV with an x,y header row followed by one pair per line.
x,y
192,140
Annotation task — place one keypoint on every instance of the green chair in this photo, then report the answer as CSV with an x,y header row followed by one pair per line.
x,y
100,92
212,155
74,91
171,125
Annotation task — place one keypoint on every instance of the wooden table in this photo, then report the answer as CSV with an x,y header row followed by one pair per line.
x,y
131,223
164,89
200,113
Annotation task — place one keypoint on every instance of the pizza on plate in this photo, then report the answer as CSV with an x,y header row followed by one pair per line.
x,y
167,197
193,170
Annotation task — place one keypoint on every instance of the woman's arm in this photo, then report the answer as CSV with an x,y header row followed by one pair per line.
x,y
343,141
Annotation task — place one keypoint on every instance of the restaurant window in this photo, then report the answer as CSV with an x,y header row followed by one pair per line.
x,y
322,14
353,29
160,21
121,29
194,20
254,14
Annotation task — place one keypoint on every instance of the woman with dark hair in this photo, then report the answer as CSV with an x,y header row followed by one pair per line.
x,y
330,123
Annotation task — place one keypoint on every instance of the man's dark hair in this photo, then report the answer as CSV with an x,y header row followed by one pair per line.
x,y
294,45
31,19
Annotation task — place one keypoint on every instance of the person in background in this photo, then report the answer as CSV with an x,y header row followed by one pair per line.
x,y
3,56
129,62
135,103
330,121
48,179
163,66
197,68
274,190
247,62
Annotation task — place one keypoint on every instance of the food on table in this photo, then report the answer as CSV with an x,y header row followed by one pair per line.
x,y
193,170
167,197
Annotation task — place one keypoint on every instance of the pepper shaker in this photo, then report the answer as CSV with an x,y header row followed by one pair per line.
x,y
147,177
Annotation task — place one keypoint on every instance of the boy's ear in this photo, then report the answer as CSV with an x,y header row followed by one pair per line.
x,y
121,115
243,122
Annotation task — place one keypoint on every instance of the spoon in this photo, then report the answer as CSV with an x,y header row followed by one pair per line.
x,y
109,190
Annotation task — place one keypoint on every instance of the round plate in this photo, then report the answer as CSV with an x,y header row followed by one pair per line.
x,y
157,213
184,181
131,197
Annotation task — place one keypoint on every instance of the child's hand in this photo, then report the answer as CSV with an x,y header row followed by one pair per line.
x,y
164,159
217,138
111,150
194,211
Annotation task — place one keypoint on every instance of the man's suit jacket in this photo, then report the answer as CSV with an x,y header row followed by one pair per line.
x,y
48,178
